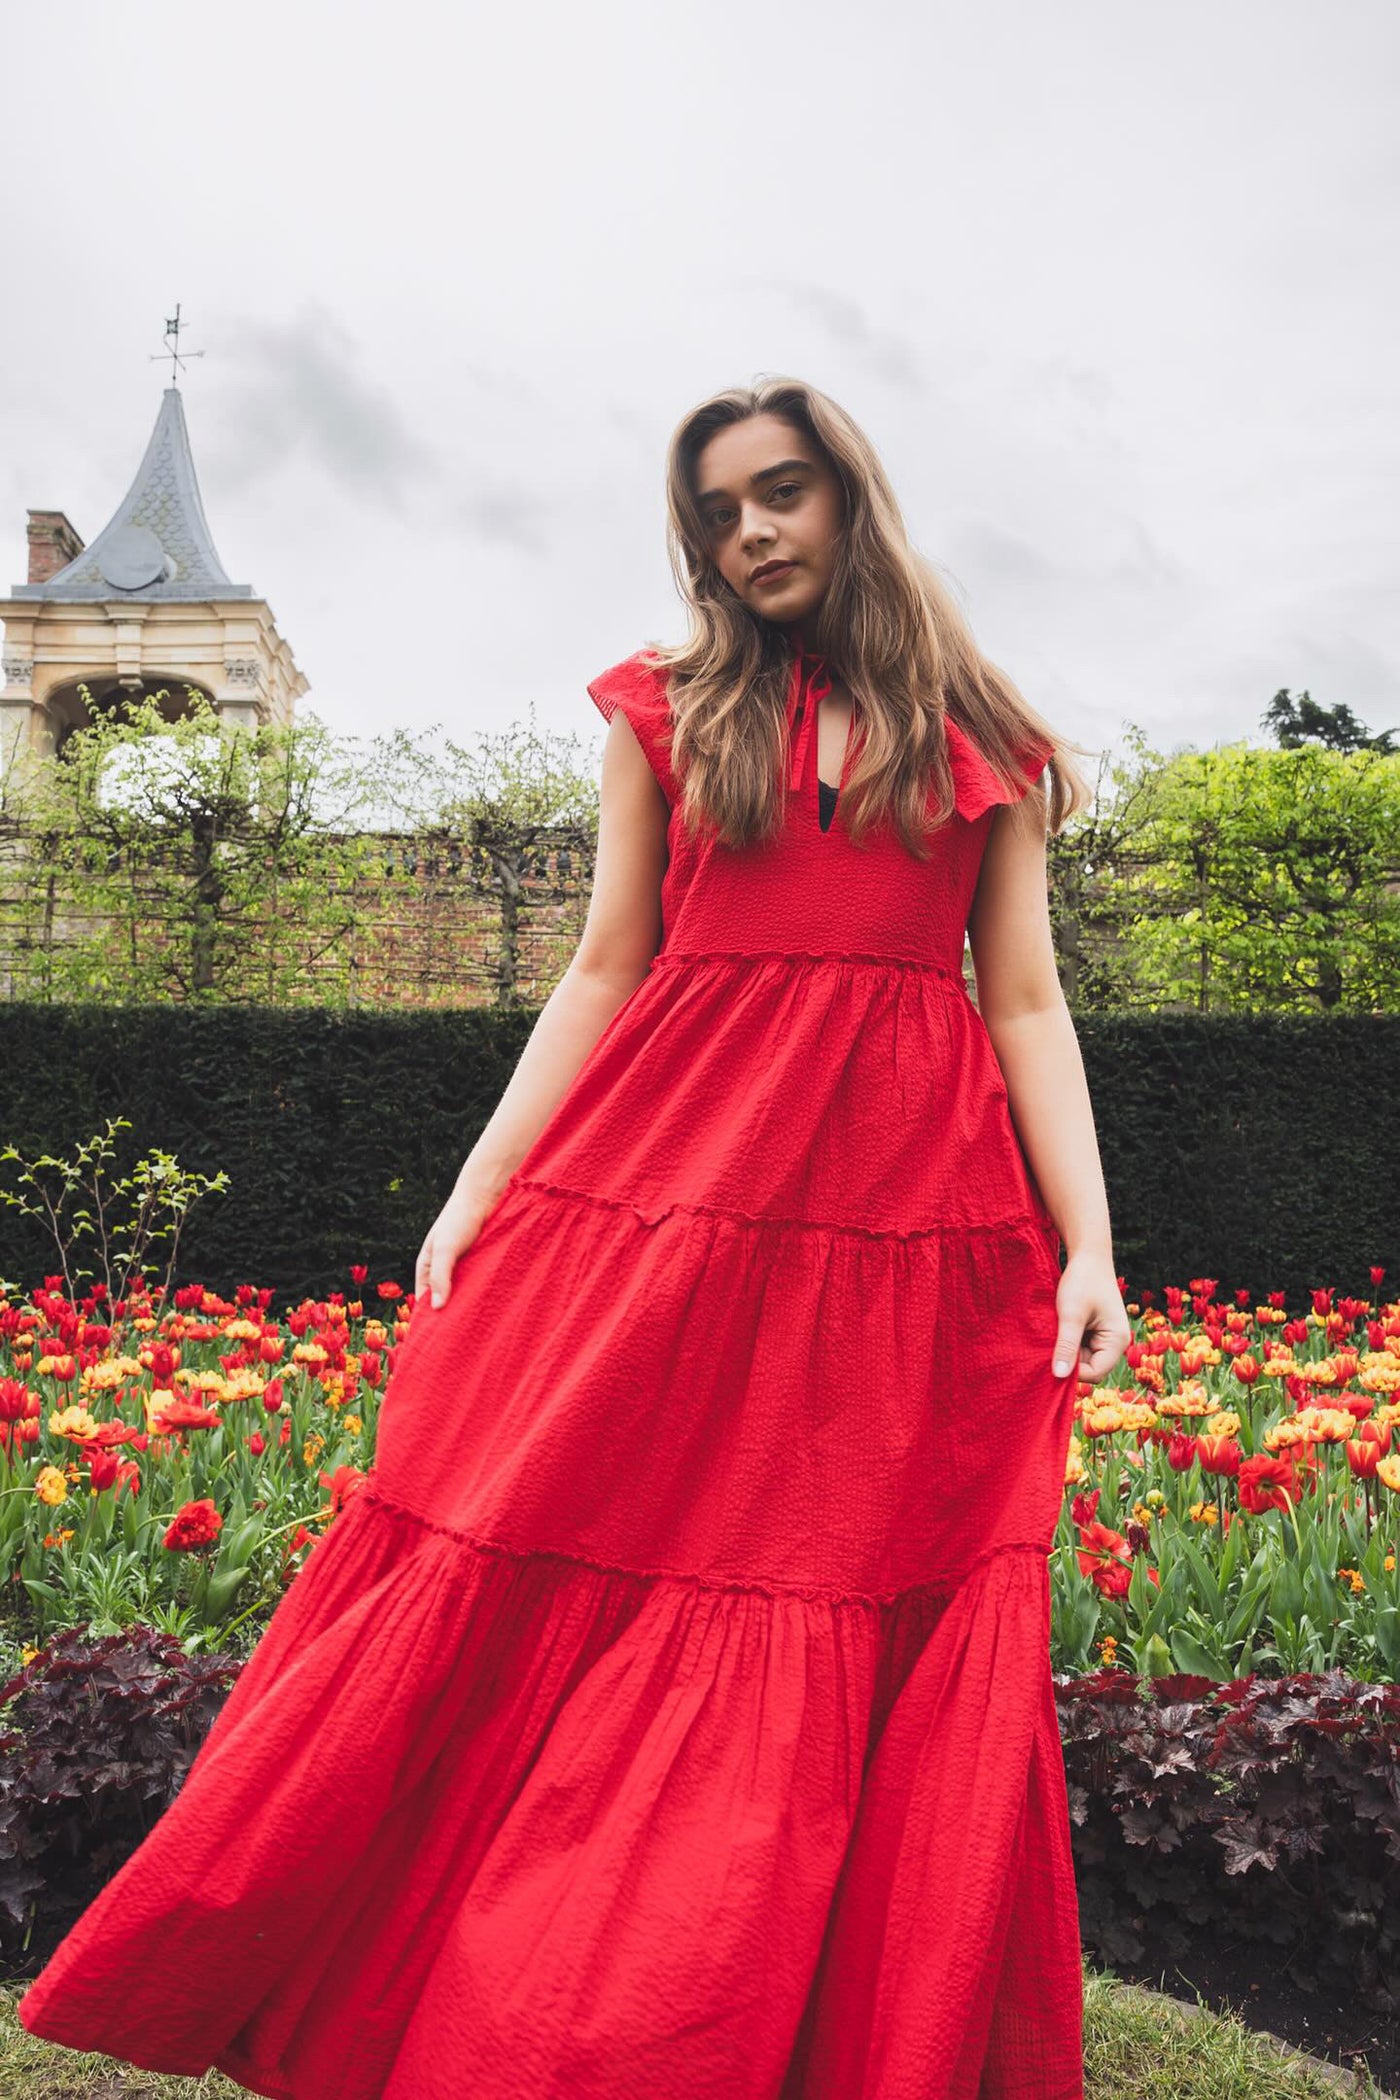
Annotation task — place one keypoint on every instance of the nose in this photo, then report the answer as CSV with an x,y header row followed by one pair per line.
x,y
755,532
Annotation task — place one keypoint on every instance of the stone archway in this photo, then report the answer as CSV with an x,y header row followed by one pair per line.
x,y
65,709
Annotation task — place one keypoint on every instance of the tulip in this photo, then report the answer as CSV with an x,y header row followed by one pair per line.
x,y
1267,1483
1181,1452
1364,1457
1219,1454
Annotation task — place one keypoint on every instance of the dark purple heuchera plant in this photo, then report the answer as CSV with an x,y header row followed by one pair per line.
x,y
1269,1808
97,1736
1264,1809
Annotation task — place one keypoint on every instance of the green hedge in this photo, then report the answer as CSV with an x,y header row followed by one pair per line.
x,y
1263,1150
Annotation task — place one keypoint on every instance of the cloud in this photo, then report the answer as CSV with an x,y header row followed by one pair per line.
x,y
301,397
510,516
297,394
845,319
1000,554
1124,552
1066,378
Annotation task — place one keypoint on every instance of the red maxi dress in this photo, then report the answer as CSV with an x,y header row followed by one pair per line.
x,y
669,1716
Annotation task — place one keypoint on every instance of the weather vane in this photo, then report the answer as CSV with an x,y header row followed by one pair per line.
x,y
172,328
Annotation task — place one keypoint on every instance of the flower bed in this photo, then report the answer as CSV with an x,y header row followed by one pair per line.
x,y
1230,1529
174,1466
1233,1495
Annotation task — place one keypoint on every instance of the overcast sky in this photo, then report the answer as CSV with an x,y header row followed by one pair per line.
x,y
1111,287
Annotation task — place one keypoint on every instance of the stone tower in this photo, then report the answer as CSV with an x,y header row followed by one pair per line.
x,y
147,605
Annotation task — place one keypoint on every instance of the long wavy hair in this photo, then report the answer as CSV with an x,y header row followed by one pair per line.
x,y
888,628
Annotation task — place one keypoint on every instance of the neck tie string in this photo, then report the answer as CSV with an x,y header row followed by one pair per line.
x,y
808,686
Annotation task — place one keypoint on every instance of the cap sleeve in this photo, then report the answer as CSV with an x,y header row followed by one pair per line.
x,y
638,688
976,783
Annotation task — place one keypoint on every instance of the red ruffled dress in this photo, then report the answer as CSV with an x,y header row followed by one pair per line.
x,y
669,1716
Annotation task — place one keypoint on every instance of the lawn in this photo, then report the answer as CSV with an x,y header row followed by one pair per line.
x,y
1137,2047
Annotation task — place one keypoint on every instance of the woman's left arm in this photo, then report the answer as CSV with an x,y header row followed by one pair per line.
x,y
1023,1008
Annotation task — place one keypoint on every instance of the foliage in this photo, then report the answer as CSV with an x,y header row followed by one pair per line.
x,y
1087,914
1233,1495
1299,721
1270,1810
168,858
127,1415
167,855
1239,879
99,1737
125,1220
168,1466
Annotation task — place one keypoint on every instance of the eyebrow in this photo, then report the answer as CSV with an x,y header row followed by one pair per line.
x,y
784,466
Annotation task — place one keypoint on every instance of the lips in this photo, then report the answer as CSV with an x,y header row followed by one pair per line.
x,y
771,569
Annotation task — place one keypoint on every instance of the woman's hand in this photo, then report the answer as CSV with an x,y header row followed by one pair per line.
x,y
1094,1326
450,1234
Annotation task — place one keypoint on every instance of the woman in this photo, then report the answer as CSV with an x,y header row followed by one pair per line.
x,y
670,1712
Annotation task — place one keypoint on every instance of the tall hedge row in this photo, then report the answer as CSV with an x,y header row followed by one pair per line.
x,y
1263,1151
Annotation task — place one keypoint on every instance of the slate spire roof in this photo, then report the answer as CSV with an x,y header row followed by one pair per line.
x,y
157,544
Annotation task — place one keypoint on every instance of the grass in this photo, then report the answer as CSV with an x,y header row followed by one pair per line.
x,y
1136,2046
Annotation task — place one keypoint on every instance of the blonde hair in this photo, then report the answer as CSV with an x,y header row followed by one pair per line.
x,y
887,627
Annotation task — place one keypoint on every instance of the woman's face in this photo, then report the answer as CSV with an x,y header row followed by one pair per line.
x,y
766,495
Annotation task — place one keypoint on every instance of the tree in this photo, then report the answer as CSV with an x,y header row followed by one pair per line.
x,y
513,798
1087,907
188,860
1258,879
1295,722
165,859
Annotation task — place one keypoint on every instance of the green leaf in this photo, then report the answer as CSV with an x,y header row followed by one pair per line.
x,y
1286,1594
238,1547
1195,1658
1154,1657
222,1588
1208,1593
1387,1632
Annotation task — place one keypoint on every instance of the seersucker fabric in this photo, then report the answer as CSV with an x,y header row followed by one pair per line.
x,y
669,1714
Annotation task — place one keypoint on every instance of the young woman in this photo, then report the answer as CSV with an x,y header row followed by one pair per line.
x,y
670,1713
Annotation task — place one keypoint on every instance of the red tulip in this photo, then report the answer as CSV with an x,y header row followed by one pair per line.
x,y
1267,1483
194,1527
1219,1454
1363,1457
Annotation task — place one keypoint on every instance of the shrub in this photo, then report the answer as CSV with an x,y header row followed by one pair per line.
x,y
99,1737
1268,1808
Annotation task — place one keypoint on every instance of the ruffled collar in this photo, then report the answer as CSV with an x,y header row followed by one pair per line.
x,y
977,786
809,683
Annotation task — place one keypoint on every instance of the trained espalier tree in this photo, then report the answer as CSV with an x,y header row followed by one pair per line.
x,y
1242,879
510,798
186,860
171,859
1264,880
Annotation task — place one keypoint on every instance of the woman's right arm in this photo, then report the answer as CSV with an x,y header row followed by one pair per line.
x,y
621,934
